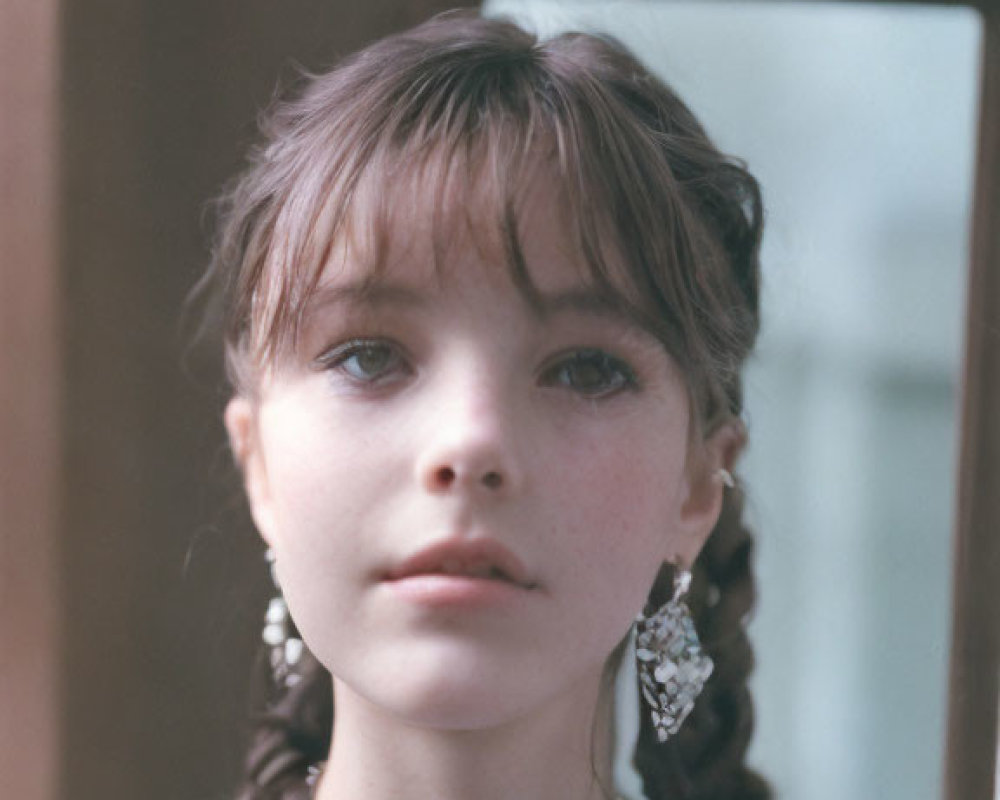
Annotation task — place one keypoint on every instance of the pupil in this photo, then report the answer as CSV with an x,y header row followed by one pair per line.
x,y
588,375
372,359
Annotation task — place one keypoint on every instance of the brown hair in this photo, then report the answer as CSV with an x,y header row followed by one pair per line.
x,y
481,102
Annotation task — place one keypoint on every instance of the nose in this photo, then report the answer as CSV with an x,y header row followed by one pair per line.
x,y
471,444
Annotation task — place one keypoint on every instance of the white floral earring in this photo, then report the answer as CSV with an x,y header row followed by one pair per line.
x,y
670,662
279,635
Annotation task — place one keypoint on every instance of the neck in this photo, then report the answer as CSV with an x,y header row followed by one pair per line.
x,y
560,751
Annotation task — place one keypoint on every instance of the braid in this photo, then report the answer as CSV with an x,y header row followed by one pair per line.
x,y
291,734
704,761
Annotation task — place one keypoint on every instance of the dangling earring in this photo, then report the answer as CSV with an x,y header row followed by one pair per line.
x,y
671,665
280,636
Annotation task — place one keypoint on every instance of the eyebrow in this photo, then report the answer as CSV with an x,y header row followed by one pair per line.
x,y
588,301
364,293
374,294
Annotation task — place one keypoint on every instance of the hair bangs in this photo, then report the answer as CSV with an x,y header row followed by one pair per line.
x,y
462,156
456,133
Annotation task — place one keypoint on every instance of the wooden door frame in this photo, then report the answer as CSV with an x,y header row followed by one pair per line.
x,y
30,405
971,748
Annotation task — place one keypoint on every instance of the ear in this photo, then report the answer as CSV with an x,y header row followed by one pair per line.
x,y
706,487
241,425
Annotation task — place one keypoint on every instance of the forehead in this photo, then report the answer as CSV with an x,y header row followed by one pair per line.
x,y
431,229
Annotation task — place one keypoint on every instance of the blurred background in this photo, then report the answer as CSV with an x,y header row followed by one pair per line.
x,y
859,121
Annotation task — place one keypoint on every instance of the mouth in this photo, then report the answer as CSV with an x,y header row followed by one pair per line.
x,y
476,559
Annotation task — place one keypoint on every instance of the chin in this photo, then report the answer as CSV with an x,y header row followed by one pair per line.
x,y
456,712
454,691
446,704
449,686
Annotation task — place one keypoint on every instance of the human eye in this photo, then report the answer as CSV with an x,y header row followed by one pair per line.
x,y
365,362
590,373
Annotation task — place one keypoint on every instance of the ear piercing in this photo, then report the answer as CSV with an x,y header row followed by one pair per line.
x,y
726,477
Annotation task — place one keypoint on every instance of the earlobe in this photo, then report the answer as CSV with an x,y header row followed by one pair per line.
x,y
240,420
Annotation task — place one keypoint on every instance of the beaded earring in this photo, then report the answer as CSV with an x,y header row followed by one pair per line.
x,y
281,636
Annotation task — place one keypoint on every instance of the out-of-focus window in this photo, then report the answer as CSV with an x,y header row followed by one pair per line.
x,y
859,122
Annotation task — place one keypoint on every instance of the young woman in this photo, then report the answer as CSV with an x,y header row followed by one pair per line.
x,y
488,301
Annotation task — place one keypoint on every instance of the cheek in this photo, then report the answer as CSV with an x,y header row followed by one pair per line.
x,y
312,470
314,455
620,504
611,519
321,481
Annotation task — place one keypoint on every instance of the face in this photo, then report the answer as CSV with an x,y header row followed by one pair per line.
x,y
468,497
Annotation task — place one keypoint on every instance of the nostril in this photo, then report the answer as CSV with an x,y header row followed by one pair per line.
x,y
445,476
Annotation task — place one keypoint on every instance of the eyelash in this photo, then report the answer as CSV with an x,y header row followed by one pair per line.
x,y
618,375
615,374
338,357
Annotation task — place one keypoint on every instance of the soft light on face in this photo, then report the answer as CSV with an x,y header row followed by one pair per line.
x,y
441,406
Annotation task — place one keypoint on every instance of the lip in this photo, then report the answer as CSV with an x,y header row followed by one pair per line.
x,y
434,576
465,558
456,591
